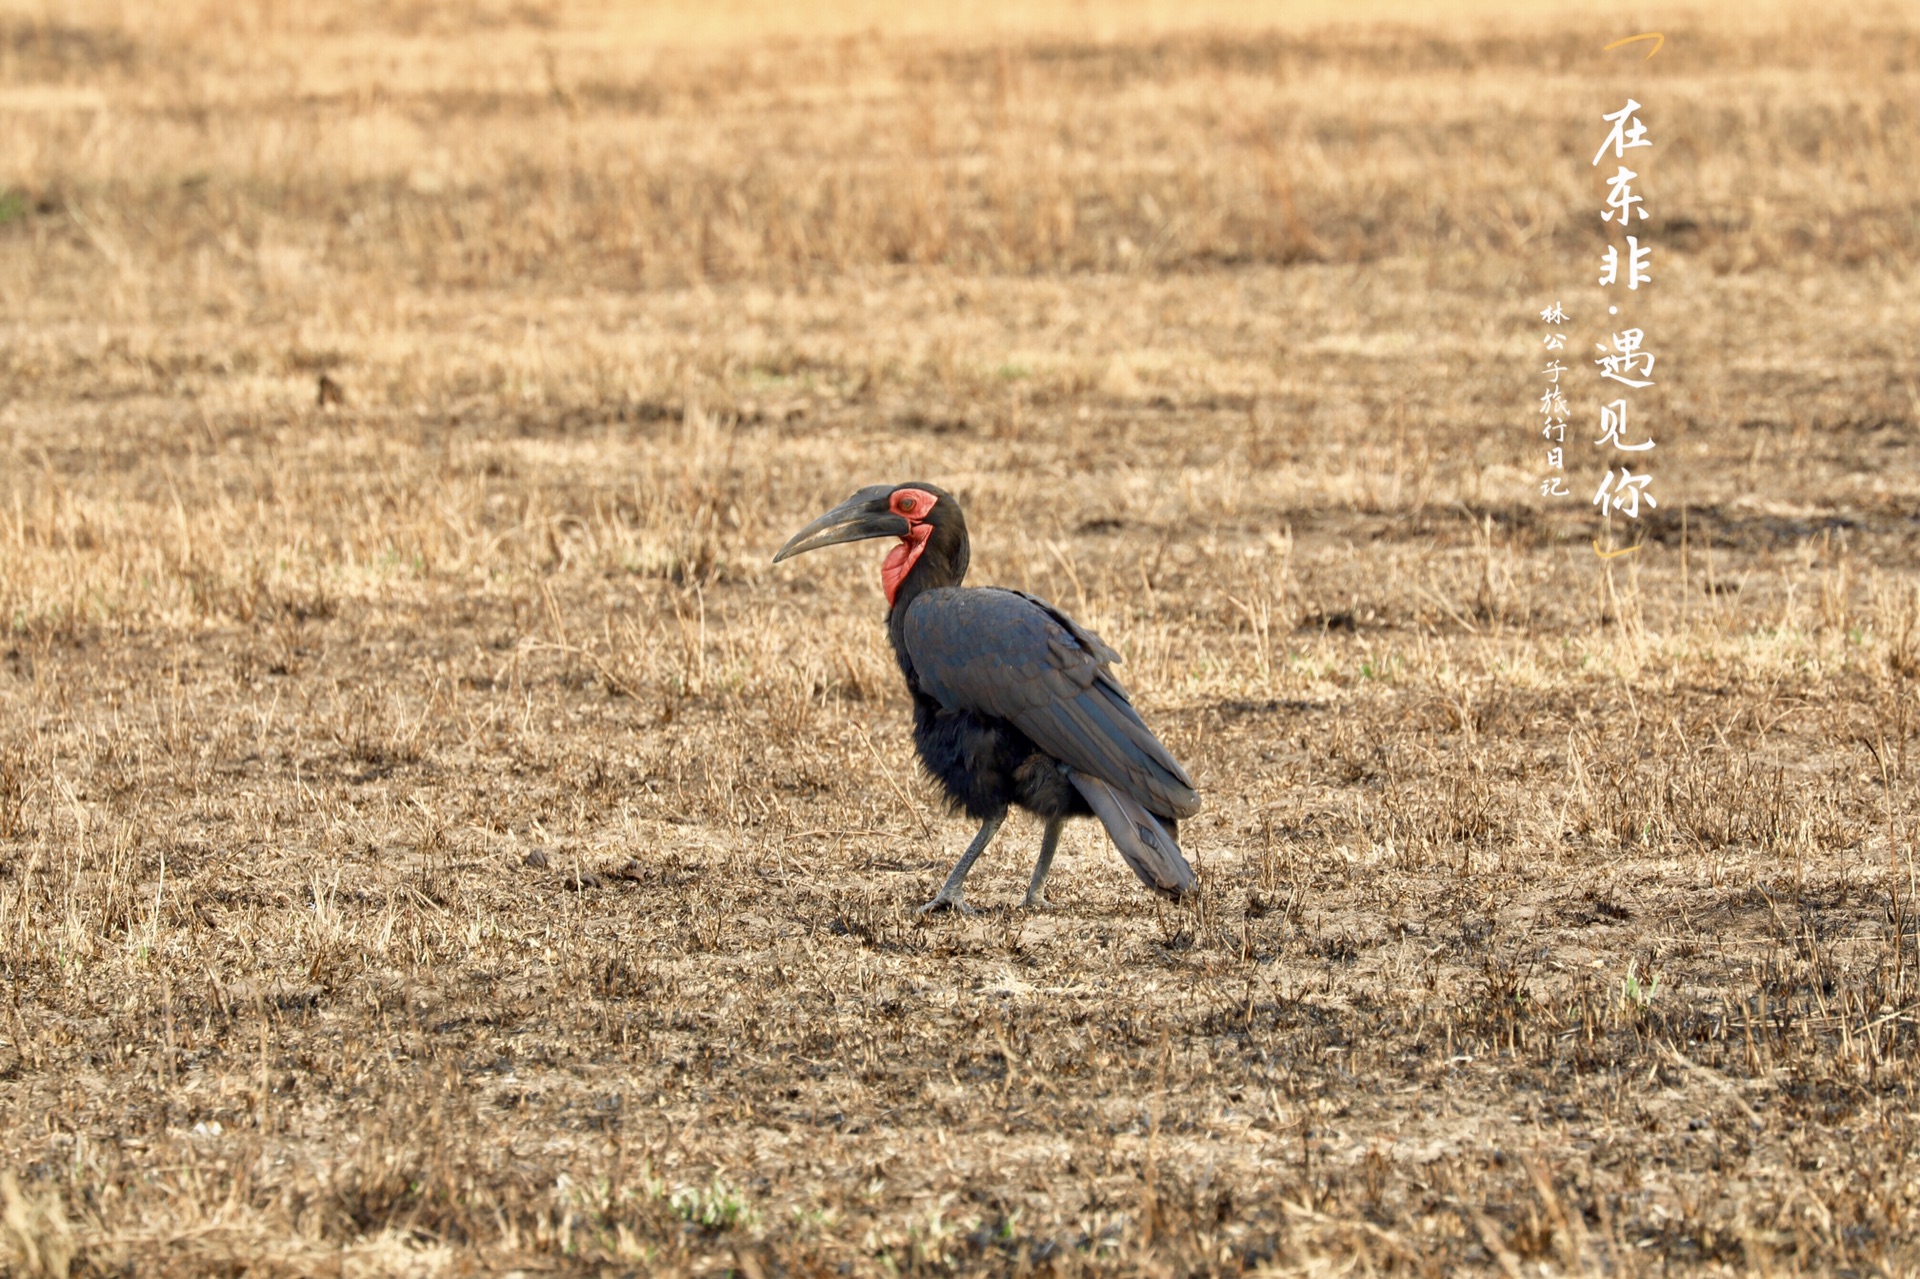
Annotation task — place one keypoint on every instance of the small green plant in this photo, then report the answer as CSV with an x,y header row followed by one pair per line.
x,y
1636,992
716,1207
13,207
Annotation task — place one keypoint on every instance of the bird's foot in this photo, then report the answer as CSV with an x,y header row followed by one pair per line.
x,y
1037,901
944,900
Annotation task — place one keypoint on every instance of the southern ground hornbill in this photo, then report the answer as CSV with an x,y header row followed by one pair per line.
x,y
1013,701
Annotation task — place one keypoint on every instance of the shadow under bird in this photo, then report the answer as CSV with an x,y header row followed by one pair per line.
x,y
1013,701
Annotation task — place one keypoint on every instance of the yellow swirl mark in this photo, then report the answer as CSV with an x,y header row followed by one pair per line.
x,y
1654,36
1614,555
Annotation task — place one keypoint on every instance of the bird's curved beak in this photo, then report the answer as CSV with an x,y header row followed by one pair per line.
x,y
861,516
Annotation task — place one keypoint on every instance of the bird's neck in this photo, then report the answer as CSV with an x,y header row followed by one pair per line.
x,y
921,563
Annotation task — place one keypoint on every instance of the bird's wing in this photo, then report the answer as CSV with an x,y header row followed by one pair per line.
x,y
1006,654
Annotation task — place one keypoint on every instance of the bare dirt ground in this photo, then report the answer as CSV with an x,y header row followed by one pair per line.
x,y
433,839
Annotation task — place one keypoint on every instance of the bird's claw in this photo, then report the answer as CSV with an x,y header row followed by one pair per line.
x,y
942,901
1037,901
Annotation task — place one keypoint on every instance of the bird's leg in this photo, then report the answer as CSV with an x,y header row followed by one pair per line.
x,y
1049,843
952,894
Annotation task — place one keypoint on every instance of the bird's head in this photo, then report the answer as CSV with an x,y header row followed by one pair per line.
x,y
921,515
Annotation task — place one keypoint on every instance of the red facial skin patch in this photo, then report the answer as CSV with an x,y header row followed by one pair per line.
x,y
911,505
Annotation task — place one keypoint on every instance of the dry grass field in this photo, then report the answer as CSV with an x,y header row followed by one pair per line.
x,y
435,840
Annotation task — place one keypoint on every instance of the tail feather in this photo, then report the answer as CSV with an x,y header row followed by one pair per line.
x,y
1139,836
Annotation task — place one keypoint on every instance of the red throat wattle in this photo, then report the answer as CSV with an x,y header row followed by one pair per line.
x,y
901,559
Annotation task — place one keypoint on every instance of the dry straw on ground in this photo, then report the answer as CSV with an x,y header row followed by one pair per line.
x,y
434,839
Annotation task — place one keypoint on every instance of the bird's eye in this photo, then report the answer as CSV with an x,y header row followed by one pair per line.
x,y
906,504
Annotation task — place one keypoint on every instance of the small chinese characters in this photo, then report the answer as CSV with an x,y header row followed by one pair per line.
x,y
1624,362
1553,406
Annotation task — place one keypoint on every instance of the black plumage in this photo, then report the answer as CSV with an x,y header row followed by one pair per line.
x,y
1015,703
